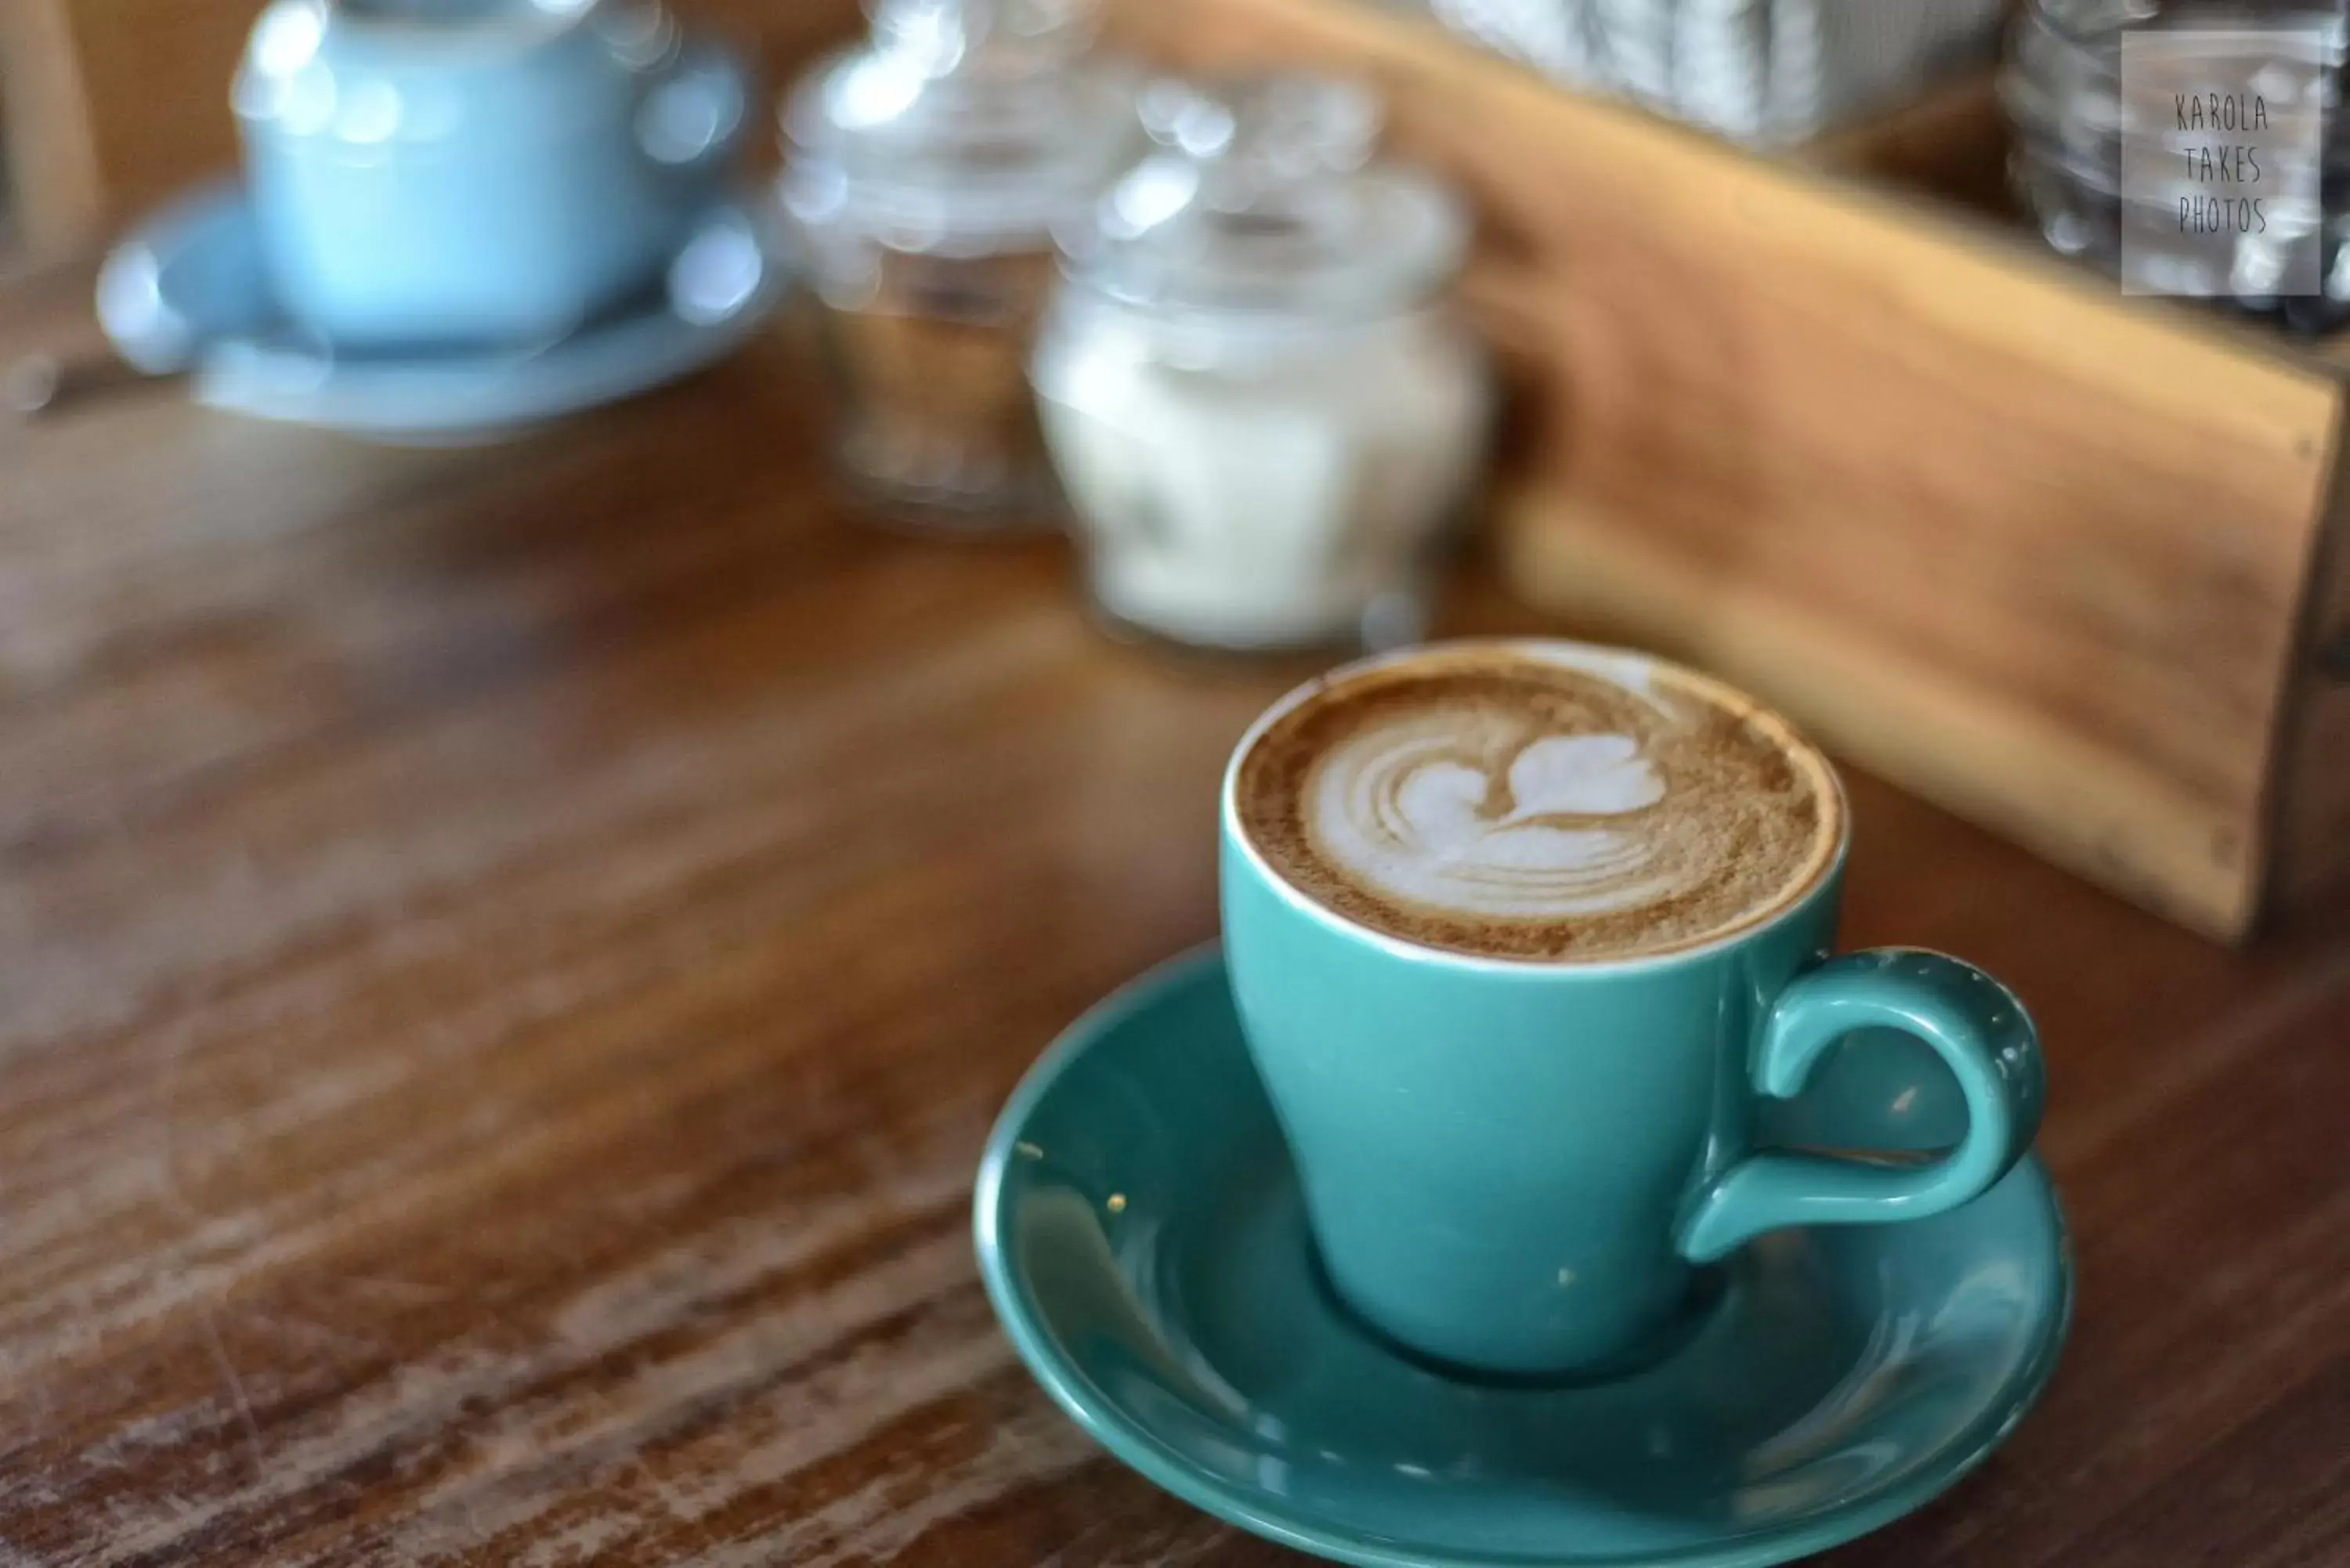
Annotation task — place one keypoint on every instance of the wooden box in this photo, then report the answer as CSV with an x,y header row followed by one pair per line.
x,y
1834,425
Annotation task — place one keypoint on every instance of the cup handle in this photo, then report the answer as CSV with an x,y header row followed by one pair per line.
x,y
694,113
1972,1022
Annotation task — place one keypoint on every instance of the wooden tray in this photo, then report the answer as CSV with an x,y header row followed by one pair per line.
x,y
1834,425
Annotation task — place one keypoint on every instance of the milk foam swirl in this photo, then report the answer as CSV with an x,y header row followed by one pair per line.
x,y
1537,801
1470,812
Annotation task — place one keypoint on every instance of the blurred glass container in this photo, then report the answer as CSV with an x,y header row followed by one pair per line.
x,y
1766,72
925,174
2062,77
1263,410
2061,89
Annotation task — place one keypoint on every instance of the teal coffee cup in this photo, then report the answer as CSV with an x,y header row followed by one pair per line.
x,y
1521,934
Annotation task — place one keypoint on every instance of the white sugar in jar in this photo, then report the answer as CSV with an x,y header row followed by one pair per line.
x,y
1262,413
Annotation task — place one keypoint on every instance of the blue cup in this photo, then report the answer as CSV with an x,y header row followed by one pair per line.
x,y
476,173
1518,1165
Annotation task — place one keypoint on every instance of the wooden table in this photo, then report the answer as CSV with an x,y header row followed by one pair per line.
x,y
507,957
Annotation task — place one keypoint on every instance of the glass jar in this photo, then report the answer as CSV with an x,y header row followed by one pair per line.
x,y
2076,128
1263,414
925,175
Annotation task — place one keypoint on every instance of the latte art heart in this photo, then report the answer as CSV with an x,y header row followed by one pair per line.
x,y
1410,812
1537,800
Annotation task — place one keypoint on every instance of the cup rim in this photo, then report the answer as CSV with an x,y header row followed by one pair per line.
x,y
1821,872
469,61
535,22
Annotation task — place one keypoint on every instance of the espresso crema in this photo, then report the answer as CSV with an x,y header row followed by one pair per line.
x,y
1541,801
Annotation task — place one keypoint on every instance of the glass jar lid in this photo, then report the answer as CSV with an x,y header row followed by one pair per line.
x,y
961,124
1263,200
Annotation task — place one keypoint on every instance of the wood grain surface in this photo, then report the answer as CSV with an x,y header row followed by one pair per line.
x,y
507,957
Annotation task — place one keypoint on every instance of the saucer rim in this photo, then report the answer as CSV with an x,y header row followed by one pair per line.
x,y
1133,1445
217,381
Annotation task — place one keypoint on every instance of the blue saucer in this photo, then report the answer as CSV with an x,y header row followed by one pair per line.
x,y
1141,1238
188,291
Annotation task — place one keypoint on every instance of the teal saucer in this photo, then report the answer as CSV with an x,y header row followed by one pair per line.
x,y
1142,1240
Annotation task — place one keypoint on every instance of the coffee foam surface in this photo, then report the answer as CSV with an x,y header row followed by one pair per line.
x,y
1569,803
